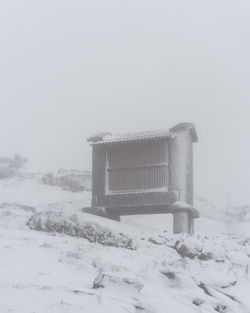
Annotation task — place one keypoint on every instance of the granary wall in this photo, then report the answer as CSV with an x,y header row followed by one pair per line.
x,y
176,199
98,174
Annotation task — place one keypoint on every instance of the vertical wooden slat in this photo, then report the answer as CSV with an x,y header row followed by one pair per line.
x,y
130,166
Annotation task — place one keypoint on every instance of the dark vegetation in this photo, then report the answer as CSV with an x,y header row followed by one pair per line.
x,y
80,226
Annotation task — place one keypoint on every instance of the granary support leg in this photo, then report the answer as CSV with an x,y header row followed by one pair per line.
x,y
112,215
191,225
183,223
115,217
181,179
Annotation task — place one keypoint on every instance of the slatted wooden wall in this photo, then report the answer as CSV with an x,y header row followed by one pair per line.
x,y
137,166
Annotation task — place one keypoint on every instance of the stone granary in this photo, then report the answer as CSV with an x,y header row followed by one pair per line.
x,y
145,173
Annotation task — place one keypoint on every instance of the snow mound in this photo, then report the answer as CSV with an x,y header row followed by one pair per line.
x,y
94,229
77,262
213,268
14,215
218,248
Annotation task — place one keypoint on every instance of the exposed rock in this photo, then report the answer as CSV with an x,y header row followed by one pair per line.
x,y
170,275
105,279
185,251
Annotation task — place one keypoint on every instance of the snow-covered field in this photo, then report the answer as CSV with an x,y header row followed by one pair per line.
x,y
44,271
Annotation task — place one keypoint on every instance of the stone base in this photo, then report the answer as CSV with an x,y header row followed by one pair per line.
x,y
183,223
114,217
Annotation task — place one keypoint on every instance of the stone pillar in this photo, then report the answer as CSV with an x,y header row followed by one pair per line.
x,y
181,223
181,177
112,215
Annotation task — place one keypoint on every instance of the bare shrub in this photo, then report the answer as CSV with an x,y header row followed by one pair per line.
x,y
71,180
82,225
10,166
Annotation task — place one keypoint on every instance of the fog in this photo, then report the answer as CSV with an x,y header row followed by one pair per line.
x,y
73,68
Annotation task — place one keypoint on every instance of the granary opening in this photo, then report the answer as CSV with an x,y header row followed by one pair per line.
x,y
137,167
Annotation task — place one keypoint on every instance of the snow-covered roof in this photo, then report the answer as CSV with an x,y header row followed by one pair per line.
x,y
144,135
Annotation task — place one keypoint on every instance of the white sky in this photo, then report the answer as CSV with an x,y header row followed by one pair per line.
x,y
73,68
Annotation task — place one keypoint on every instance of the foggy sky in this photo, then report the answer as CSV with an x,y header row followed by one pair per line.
x,y
72,68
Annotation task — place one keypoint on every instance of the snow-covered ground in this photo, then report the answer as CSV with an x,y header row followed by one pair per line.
x,y
53,272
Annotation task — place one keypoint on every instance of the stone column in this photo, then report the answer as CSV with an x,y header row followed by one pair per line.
x,y
181,177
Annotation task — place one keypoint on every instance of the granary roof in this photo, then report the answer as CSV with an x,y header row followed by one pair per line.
x,y
107,138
